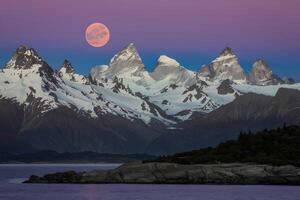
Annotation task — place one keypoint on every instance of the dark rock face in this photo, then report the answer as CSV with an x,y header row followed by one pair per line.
x,y
248,112
225,87
26,130
11,119
25,58
198,87
169,173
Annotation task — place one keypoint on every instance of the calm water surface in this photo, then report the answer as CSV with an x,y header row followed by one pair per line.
x,y
11,188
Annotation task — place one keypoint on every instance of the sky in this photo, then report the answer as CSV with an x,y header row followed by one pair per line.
x,y
193,32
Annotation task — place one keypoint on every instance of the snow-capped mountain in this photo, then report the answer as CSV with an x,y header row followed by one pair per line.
x,y
169,94
126,64
170,71
261,74
27,76
121,104
225,66
67,72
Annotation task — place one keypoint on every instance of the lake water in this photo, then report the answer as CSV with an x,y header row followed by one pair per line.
x,y
11,188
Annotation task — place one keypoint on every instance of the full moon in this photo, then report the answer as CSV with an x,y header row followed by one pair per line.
x,y
97,35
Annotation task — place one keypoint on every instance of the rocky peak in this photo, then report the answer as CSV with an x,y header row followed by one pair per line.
x,y
126,64
261,74
23,49
128,53
66,67
261,65
226,55
226,52
25,58
225,66
67,72
26,64
127,60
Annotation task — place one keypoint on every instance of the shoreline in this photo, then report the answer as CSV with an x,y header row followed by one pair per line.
x,y
170,173
58,163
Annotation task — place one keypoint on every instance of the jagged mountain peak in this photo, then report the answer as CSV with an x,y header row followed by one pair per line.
x,y
261,74
68,72
26,62
128,53
125,62
261,70
226,52
261,64
25,58
131,46
23,49
226,55
67,67
225,66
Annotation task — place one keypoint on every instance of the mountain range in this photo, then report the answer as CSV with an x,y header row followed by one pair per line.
x,y
123,108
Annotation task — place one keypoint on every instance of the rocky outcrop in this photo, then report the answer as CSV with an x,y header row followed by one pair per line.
x,y
170,173
225,87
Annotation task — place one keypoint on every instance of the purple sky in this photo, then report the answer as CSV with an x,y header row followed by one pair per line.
x,y
191,31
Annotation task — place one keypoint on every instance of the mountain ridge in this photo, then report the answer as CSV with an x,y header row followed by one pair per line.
x,y
145,106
